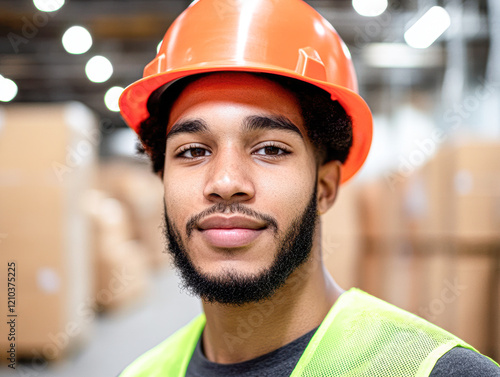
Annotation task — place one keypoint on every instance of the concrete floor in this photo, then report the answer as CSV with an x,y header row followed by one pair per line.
x,y
119,338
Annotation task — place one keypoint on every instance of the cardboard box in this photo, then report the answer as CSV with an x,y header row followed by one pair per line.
x,y
457,193
474,286
47,160
389,271
426,201
429,243
476,192
142,194
436,301
341,230
389,263
381,209
376,254
122,275
111,222
121,263
458,285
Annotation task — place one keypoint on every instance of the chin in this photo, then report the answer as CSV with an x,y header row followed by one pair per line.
x,y
233,267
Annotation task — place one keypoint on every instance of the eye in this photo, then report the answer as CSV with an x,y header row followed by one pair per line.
x,y
193,152
271,151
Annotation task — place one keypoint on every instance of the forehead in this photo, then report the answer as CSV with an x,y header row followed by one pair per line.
x,y
233,91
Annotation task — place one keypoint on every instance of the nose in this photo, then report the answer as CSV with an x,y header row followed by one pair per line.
x,y
229,178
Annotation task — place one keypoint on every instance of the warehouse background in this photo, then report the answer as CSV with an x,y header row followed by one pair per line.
x,y
80,214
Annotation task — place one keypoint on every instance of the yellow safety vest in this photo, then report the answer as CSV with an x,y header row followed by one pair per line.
x,y
360,336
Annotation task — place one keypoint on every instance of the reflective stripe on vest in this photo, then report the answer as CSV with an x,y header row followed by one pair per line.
x,y
360,336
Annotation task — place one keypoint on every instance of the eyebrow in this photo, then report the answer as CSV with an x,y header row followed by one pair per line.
x,y
250,123
190,126
260,122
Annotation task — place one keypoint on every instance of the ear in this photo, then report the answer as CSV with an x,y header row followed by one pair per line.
x,y
328,183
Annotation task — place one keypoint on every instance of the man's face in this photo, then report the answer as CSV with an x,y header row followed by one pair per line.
x,y
240,187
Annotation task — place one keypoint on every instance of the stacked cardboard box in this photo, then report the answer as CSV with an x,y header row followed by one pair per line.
x,y
47,162
428,209
389,264
121,264
141,192
431,240
341,232
476,193
476,231
456,234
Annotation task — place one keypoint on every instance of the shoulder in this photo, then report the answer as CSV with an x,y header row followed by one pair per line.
x,y
364,309
170,354
463,362
391,339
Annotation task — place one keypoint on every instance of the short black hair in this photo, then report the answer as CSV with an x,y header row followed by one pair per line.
x,y
329,127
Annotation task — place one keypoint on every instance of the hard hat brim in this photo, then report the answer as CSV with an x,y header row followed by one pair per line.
x,y
134,99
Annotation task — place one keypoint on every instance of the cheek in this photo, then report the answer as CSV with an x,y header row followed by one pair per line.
x,y
180,194
287,193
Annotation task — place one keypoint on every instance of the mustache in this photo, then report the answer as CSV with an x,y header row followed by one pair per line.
x,y
230,208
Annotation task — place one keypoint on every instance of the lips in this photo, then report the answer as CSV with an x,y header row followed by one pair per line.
x,y
230,232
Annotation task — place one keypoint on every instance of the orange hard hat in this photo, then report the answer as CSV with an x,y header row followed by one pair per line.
x,y
282,37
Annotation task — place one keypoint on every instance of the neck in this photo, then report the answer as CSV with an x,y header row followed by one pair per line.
x,y
239,333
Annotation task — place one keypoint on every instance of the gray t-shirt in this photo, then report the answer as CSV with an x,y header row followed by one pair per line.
x,y
458,362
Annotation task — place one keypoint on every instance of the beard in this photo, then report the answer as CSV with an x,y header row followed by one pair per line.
x,y
231,287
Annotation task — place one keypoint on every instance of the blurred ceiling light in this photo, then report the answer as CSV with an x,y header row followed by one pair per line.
x,y
369,8
428,28
8,89
77,40
98,69
48,5
111,98
400,55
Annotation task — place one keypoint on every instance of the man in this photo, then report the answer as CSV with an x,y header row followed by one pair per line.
x,y
250,117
